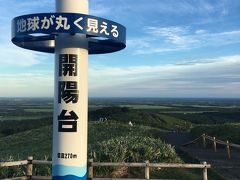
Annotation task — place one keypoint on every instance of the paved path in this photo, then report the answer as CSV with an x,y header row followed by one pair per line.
x,y
219,162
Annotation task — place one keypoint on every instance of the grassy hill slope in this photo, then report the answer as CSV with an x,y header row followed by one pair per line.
x,y
102,136
229,131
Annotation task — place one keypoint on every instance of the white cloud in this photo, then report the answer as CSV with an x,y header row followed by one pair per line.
x,y
99,10
15,56
203,7
214,77
180,6
200,31
204,77
31,84
140,42
156,50
177,38
173,35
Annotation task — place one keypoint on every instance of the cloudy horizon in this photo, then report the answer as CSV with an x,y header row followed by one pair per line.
x,y
174,49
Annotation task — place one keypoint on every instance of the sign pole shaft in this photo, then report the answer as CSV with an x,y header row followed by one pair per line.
x,y
70,99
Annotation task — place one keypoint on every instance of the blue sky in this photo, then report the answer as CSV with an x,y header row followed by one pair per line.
x,y
175,48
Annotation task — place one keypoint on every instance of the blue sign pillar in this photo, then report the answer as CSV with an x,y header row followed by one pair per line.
x,y
71,34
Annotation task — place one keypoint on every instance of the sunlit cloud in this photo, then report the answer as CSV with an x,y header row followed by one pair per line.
x,y
174,35
174,38
99,10
16,57
195,78
29,84
158,32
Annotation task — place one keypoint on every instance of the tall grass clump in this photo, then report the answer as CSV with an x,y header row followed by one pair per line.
x,y
129,148
133,149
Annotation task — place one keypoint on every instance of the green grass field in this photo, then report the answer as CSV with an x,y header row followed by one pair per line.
x,y
230,132
19,118
37,143
42,110
146,107
25,129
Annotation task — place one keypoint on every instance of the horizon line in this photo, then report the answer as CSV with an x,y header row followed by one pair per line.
x,y
115,97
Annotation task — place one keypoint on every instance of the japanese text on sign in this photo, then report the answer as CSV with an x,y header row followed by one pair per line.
x,y
68,65
60,22
68,92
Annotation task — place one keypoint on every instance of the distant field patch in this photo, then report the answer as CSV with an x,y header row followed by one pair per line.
x,y
19,118
175,122
93,107
188,112
35,106
215,106
143,106
38,110
228,131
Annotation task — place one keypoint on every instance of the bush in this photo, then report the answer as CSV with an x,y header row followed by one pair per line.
x,y
16,171
130,148
133,149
